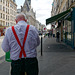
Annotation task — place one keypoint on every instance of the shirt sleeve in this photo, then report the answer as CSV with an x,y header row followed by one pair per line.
x,y
37,37
5,43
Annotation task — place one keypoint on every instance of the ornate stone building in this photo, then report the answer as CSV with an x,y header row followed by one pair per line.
x,y
30,14
28,11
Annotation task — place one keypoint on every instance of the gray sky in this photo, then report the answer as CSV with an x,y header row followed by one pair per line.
x,y
41,7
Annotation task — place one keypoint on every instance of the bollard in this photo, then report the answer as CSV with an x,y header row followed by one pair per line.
x,y
25,73
41,45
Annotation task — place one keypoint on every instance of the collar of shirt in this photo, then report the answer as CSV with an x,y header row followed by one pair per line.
x,y
21,23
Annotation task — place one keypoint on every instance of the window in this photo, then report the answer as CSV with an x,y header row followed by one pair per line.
x,y
6,3
6,17
0,15
11,5
3,16
3,1
11,11
0,0
6,23
3,23
3,8
67,30
6,10
0,7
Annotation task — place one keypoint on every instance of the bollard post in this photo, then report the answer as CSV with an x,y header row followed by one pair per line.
x,y
41,45
25,73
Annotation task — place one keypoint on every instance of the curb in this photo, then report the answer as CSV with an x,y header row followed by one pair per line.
x,y
2,59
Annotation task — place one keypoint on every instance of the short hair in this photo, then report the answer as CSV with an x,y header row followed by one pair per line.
x,y
21,14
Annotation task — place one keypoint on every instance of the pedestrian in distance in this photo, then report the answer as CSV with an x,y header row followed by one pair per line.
x,y
48,34
22,40
57,36
0,33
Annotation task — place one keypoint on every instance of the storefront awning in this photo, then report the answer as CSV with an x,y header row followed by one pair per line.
x,y
57,17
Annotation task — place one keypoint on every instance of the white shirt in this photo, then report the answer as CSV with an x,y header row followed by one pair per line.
x,y
10,44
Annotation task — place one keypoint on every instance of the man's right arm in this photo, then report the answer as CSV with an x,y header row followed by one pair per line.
x,y
5,43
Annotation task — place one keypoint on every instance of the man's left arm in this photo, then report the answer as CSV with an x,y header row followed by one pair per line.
x,y
37,37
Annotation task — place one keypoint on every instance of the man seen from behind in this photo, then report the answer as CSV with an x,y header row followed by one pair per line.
x,y
22,40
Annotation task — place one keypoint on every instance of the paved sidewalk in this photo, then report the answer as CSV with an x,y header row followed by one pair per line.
x,y
57,59
1,51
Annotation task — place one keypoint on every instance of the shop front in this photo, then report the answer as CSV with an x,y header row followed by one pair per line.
x,y
67,27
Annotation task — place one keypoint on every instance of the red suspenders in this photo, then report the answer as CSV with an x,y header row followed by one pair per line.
x,y
25,36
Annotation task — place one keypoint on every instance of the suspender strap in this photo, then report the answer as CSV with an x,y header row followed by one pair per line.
x,y
14,32
22,48
25,36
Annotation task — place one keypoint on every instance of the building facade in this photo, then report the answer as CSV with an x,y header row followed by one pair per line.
x,y
8,10
12,12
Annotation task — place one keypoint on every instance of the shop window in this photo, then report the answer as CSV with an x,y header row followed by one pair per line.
x,y
67,30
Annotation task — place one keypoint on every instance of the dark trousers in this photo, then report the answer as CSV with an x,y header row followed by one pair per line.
x,y
57,39
28,65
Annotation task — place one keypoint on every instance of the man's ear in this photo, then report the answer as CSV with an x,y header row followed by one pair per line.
x,y
25,20
16,21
